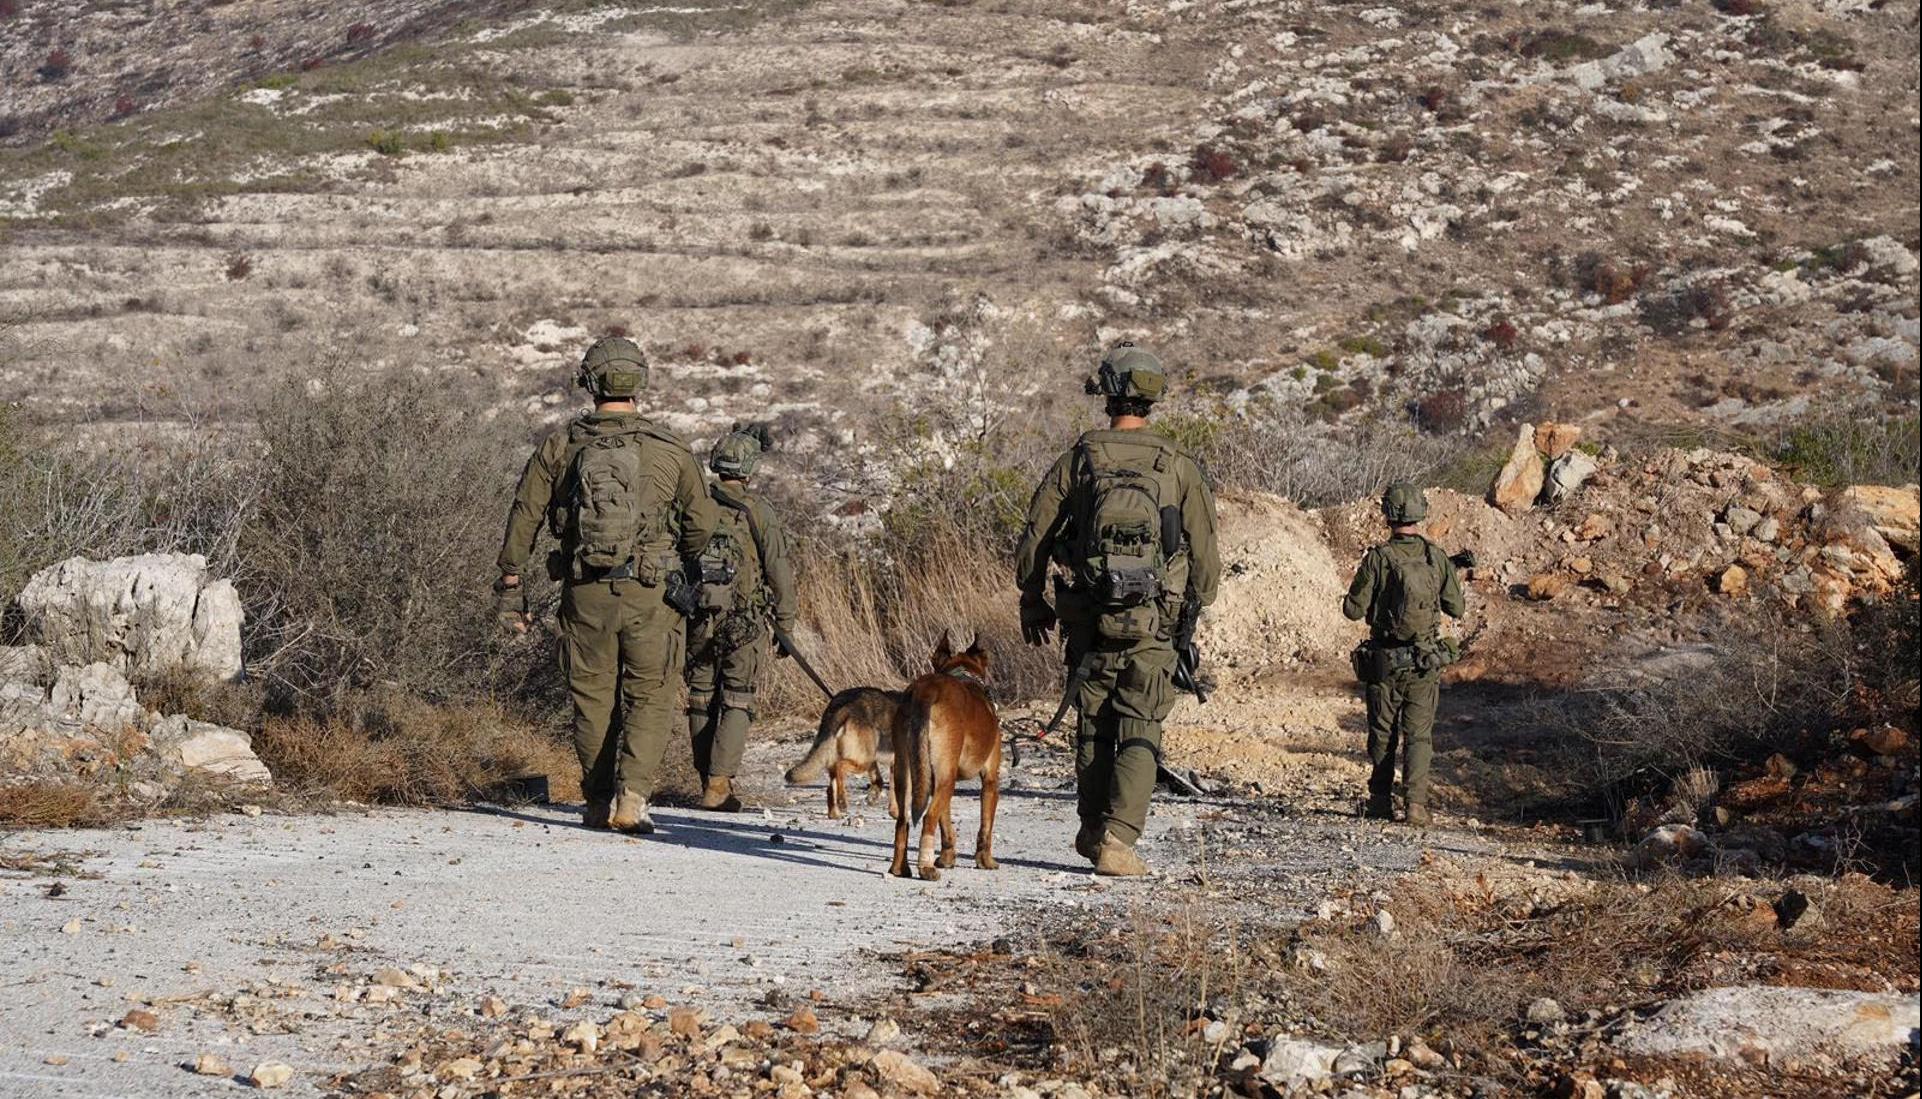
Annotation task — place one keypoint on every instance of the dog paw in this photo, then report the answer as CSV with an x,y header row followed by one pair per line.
x,y
929,873
835,814
946,860
986,862
900,870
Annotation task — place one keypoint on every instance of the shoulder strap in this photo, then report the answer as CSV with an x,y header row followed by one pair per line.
x,y
753,524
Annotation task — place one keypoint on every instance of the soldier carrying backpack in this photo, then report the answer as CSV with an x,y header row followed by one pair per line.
x,y
1129,519
627,504
745,578
1402,589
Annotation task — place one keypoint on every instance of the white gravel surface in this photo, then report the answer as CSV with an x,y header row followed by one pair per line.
x,y
523,904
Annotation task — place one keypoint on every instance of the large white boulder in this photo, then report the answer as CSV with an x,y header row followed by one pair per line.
x,y
153,613
189,745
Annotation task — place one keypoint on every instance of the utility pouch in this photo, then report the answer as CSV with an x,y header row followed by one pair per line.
x,y
680,593
556,565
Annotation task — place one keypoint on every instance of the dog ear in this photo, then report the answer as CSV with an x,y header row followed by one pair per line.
x,y
974,646
944,649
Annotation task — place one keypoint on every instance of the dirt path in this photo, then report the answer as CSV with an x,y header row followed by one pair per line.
x,y
244,934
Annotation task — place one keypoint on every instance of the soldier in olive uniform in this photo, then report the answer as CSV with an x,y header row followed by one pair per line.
x,y
1130,518
627,503
745,577
1401,589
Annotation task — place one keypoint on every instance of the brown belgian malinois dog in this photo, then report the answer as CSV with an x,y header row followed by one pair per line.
x,y
857,729
945,731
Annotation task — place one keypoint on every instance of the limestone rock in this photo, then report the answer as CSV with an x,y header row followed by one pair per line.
x,y
190,745
1896,513
271,1074
1732,581
1746,1022
153,613
96,696
1568,473
1292,1062
1555,440
1520,481
904,1072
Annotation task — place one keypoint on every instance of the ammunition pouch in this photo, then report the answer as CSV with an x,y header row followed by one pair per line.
x,y
717,584
1377,663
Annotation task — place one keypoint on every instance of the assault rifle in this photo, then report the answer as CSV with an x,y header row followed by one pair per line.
x,y
1187,653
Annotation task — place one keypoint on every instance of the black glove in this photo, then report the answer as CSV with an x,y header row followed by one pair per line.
x,y
780,648
1037,620
1463,560
510,604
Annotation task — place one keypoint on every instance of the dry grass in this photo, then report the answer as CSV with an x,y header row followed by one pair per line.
x,y
403,751
54,805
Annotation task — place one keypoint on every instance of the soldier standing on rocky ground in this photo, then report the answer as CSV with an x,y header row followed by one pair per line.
x,y
745,578
627,503
1402,589
1130,518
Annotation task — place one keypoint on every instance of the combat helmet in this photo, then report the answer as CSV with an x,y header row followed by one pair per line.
x,y
739,451
614,368
1129,371
1404,503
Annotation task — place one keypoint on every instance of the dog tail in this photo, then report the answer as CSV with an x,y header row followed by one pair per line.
x,y
920,758
815,763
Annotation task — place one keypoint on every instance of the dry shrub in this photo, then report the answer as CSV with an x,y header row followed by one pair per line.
x,y
877,620
399,750
381,499
53,805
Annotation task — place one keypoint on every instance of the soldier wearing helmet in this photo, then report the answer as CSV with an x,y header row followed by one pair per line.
x,y
1129,519
1402,589
745,579
626,502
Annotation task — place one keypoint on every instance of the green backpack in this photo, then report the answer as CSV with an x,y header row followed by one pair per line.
x,y
1122,543
612,508
1412,601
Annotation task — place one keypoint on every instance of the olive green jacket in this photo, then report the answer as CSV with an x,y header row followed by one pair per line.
x,y
1195,570
688,527
1410,551
774,566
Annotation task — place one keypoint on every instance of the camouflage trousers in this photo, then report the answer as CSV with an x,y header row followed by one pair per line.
x,y
1401,721
725,654
621,651
1128,692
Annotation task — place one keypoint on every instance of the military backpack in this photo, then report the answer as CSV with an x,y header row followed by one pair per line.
x,y
611,509
1124,538
1412,596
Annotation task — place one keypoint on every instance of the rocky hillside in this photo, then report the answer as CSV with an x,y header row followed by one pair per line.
x,y
830,212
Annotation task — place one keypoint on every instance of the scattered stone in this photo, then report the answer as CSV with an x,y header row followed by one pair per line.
x,y
1555,440
803,1021
686,1021
1883,740
1567,475
1669,843
1895,512
575,998
1520,480
212,1064
904,1072
271,1074
1385,923
460,1068
142,1020
492,1007
584,1036
1732,581
1293,1061
1421,1056
1760,1023
388,976
1545,586
884,1032
1545,1012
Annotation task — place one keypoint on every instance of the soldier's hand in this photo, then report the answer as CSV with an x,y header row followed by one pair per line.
x,y
510,603
780,650
1037,620
1463,560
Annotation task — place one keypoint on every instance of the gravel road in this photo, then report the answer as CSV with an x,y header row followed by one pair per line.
x,y
257,937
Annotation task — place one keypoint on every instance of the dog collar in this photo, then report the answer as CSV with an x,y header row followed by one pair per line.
x,y
967,676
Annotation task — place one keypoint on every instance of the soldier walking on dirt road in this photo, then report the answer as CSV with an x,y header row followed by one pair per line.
x,y
1402,589
745,578
1130,517
629,506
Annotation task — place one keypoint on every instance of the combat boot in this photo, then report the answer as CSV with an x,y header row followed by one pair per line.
x,y
1118,860
719,795
594,815
1418,815
1380,807
1087,842
630,815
